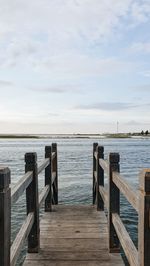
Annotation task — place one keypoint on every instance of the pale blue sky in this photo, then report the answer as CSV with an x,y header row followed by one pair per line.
x,y
74,66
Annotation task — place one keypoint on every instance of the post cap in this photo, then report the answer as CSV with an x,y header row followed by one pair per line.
x,y
54,146
144,180
31,157
4,177
48,150
114,157
100,149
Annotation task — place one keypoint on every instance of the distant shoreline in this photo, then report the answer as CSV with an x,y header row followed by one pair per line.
x,y
74,136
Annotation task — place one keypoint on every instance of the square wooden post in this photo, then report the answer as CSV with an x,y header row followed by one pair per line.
x,y
94,170
100,177
113,203
32,198
144,219
55,169
5,216
48,179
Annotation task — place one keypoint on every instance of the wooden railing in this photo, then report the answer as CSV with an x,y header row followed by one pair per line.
x,y
140,201
30,228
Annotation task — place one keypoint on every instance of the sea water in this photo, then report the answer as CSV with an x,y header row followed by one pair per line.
x,y
75,171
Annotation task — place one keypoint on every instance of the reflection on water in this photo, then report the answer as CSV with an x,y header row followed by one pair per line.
x,y
75,171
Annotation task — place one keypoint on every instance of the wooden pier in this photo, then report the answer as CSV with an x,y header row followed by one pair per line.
x,y
74,235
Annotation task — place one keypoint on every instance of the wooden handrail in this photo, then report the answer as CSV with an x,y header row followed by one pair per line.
x,y
104,195
125,240
21,186
43,165
104,164
126,190
29,182
21,237
43,194
139,199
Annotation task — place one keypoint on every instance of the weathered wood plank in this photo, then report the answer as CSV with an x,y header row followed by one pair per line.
x,y
18,189
125,240
43,165
104,195
126,190
5,216
43,194
144,218
20,238
74,235
104,164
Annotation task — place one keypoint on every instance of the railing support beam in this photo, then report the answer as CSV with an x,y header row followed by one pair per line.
x,y
48,179
55,169
32,198
5,216
94,169
113,202
144,219
100,177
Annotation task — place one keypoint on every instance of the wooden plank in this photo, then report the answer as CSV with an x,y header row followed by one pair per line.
x,y
100,178
5,216
53,177
18,189
104,164
126,190
68,238
48,179
43,165
32,200
20,238
53,155
94,170
43,194
104,195
55,170
113,202
125,240
73,263
144,218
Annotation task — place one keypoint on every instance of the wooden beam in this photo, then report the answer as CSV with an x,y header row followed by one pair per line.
x,y
5,216
125,240
32,199
21,186
126,190
144,218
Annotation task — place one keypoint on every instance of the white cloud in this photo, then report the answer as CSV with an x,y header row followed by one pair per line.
x,y
140,47
37,30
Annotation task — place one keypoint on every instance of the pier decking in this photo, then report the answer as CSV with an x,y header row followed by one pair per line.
x,y
74,236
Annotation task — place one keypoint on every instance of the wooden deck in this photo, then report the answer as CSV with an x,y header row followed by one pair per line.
x,y
73,235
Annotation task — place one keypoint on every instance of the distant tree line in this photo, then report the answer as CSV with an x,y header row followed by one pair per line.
x,y
144,133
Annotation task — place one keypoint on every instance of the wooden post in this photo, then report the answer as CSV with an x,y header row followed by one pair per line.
x,y
55,169
48,179
113,202
5,216
32,198
144,219
100,177
94,170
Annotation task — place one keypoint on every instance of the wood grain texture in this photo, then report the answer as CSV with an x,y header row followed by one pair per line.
x,y
126,190
74,235
125,240
20,186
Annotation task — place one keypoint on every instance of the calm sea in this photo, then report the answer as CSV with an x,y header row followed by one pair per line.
x,y
75,171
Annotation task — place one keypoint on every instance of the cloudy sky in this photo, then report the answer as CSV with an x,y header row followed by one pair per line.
x,y
74,66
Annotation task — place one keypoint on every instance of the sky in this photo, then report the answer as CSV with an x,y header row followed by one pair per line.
x,y
74,66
